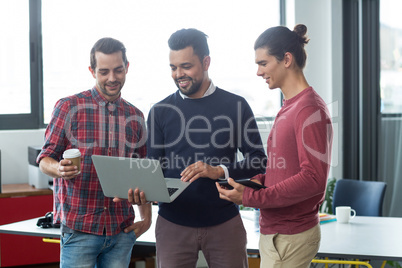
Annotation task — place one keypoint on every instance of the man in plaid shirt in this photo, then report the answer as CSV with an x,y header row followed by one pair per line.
x,y
94,229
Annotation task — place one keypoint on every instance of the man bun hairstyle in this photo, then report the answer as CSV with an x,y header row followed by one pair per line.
x,y
279,40
301,30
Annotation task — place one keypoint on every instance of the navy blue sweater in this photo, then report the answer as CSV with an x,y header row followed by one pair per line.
x,y
211,130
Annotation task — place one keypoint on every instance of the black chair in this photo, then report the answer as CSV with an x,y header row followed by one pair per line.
x,y
366,197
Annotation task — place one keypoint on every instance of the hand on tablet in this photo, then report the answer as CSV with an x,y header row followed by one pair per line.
x,y
235,195
255,184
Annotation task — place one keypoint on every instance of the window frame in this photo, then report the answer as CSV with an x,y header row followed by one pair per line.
x,y
361,92
381,114
35,119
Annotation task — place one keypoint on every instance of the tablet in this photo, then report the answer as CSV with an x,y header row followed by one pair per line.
x,y
245,182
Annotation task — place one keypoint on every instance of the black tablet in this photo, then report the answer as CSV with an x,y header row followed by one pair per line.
x,y
245,182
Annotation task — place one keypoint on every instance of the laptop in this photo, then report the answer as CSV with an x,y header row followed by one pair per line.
x,y
118,174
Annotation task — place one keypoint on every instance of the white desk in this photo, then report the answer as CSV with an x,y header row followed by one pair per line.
x,y
376,238
28,227
373,238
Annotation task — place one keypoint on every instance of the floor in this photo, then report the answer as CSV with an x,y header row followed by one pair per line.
x,y
254,262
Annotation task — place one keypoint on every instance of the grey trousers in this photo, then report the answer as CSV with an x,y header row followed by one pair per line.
x,y
223,245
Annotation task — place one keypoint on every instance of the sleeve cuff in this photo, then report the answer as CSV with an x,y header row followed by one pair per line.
x,y
225,169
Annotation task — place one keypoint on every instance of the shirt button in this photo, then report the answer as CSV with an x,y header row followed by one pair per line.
x,y
105,208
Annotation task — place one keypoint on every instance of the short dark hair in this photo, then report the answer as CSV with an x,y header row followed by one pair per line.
x,y
279,40
107,45
190,37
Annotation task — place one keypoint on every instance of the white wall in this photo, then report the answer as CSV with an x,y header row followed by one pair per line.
x,y
14,153
323,71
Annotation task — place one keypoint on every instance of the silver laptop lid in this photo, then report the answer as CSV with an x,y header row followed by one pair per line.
x,y
118,174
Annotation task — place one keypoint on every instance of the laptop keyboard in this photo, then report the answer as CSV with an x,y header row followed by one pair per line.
x,y
172,191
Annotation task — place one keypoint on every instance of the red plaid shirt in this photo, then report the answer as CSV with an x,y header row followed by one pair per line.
x,y
95,126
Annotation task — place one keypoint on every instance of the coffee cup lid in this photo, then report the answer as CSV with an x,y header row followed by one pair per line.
x,y
71,153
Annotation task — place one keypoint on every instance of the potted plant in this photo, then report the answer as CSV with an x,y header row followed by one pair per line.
x,y
326,206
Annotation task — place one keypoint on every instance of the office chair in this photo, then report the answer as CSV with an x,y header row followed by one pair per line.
x,y
366,197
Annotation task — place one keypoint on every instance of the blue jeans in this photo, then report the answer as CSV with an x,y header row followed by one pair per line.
x,y
87,250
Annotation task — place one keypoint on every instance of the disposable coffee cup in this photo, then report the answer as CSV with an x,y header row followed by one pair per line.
x,y
74,155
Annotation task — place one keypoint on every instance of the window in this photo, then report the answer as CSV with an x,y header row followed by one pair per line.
x,y
391,57
14,55
70,28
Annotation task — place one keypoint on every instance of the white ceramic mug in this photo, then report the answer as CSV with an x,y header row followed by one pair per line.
x,y
344,214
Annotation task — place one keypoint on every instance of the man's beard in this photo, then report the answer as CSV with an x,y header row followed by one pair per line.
x,y
110,94
194,88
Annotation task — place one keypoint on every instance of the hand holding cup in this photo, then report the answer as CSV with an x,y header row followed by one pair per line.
x,y
73,155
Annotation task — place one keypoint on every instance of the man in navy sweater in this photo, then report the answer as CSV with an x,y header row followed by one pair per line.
x,y
196,133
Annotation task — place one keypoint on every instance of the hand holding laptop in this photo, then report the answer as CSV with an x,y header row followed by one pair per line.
x,y
135,197
141,226
119,174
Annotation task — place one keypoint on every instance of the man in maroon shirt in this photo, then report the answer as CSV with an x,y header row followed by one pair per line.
x,y
299,152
